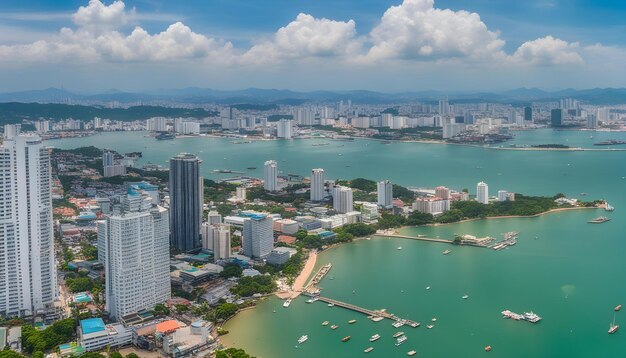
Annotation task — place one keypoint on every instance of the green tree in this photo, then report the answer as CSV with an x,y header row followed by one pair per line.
x,y
160,310
132,355
116,355
232,353
231,270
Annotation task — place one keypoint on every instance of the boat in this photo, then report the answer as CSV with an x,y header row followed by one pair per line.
x,y
488,349
613,327
447,252
428,287
251,168
375,337
367,350
311,300
334,326
165,136
377,318
303,339
287,303
331,305
399,248
411,353
617,308
465,296
608,207
434,319
325,323
398,324
352,321
346,338
413,324
430,326
532,317
398,334
599,220
400,340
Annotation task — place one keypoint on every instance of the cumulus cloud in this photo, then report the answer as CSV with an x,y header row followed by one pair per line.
x,y
548,51
417,30
307,36
96,38
98,17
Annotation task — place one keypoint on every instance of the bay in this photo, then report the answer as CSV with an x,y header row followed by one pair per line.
x,y
564,269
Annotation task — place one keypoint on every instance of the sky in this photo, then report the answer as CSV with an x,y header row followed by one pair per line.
x,y
382,45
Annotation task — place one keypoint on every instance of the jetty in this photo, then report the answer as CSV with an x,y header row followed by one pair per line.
x,y
418,238
310,287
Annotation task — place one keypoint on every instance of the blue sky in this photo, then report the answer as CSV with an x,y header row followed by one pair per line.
x,y
336,44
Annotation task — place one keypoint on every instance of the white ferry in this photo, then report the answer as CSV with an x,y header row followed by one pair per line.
x,y
398,324
303,339
287,303
532,317
375,337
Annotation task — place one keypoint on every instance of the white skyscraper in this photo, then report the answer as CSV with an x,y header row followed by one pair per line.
x,y
156,124
135,240
385,193
12,130
317,184
284,129
27,266
258,236
503,195
482,193
270,175
217,239
342,199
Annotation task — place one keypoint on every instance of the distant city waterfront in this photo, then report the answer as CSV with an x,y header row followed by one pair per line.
x,y
559,268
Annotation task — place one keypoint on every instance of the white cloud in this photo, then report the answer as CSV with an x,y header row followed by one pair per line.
x,y
307,36
98,17
417,30
97,39
548,51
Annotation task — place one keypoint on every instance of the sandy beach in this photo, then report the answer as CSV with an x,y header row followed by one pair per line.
x,y
302,278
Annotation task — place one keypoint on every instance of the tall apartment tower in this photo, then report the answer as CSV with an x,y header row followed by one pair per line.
x,y
258,236
270,175
186,196
385,193
342,199
216,237
317,184
27,266
135,240
482,193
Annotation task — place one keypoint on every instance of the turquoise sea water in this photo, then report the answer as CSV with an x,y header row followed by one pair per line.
x,y
564,269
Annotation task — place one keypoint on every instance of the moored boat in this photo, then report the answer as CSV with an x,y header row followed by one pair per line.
x,y
411,353
398,334
400,340
325,323
617,308
303,339
599,220
334,326
369,349
352,321
346,338
375,337
287,303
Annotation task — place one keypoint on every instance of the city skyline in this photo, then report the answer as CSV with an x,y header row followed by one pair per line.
x,y
390,46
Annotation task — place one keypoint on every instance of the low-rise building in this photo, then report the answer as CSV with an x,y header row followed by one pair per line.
x,y
280,255
431,205
95,335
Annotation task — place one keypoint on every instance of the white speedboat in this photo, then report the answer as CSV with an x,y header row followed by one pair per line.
x,y
287,303
303,339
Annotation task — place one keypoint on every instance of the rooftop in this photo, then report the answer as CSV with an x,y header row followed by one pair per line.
x,y
92,325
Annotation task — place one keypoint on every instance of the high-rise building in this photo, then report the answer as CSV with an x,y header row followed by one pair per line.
x,y
42,126
385,193
214,218
284,129
27,266
217,239
108,159
241,192
258,236
156,124
135,244
556,117
270,175
592,121
503,195
442,192
317,184
528,114
12,130
186,196
482,193
342,199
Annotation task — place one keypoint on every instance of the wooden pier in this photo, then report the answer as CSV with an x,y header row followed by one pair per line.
x,y
418,238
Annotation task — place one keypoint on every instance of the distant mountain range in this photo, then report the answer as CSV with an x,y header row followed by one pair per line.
x,y
195,95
